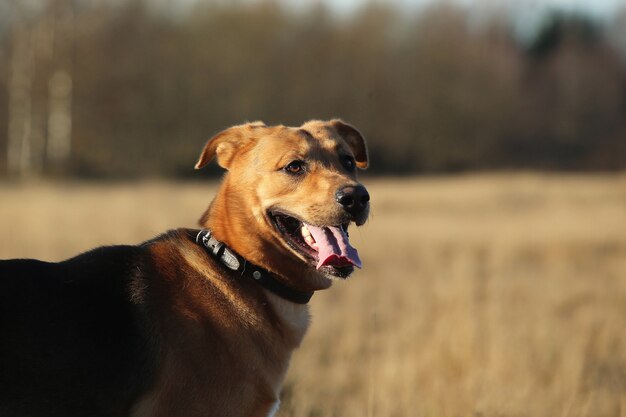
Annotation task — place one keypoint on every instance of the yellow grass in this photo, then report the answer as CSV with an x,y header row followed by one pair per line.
x,y
485,295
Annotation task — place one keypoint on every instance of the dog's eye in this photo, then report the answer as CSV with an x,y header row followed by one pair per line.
x,y
348,162
295,167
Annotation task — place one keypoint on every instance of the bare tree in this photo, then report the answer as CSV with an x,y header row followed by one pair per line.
x,y
59,140
21,73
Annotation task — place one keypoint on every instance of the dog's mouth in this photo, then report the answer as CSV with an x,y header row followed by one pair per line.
x,y
327,248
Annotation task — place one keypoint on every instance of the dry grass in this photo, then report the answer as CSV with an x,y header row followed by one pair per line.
x,y
498,295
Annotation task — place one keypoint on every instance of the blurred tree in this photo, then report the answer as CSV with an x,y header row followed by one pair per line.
x,y
20,79
60,83
575,95
38,86
457,92
120,89
617,32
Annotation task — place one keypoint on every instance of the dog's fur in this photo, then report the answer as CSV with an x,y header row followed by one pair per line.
x,y
164,328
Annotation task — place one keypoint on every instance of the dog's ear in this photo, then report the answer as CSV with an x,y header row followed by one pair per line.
x,y
355,141
225,144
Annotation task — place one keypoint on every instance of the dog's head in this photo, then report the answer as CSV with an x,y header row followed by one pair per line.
x,y
294,187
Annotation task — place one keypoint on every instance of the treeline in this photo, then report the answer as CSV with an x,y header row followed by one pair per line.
x,y
127,89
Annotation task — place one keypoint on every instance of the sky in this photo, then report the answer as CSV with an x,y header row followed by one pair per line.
x,y
599,8
526,16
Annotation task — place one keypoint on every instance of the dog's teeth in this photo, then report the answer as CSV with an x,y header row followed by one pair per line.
x,y
310,241
308,238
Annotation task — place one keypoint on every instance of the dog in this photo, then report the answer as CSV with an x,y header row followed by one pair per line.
x,y
193,322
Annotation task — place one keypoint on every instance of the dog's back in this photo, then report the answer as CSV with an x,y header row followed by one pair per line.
x,y
72,342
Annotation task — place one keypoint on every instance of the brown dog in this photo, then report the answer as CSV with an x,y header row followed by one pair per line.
x,y
194,322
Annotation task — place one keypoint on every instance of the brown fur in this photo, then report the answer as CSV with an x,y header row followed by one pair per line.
x,y
211,342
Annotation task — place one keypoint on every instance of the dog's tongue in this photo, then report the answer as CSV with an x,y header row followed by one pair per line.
x,y
333,247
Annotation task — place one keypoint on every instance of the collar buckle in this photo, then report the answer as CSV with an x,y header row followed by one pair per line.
x,y
219,250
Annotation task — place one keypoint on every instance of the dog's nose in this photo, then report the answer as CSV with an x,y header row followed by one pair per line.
x,y
353,199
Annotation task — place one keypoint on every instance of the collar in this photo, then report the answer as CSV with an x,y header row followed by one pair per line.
x,y
236,263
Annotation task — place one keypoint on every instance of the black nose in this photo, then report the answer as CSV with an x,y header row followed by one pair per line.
x,y
354,199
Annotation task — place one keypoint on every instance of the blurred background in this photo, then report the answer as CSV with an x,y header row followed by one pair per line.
x,y
494,279
131,88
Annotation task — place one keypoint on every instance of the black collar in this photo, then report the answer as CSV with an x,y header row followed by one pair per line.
x,y
235,262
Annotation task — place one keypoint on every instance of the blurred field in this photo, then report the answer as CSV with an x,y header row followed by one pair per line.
x,y
485,295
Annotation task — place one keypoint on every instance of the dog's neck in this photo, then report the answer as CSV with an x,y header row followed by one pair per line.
x,y
295,317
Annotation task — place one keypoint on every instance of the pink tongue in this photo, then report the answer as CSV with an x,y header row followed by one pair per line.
x,y
334,248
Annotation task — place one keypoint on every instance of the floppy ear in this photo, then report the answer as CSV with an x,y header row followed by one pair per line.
x,y
225,144
355,141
